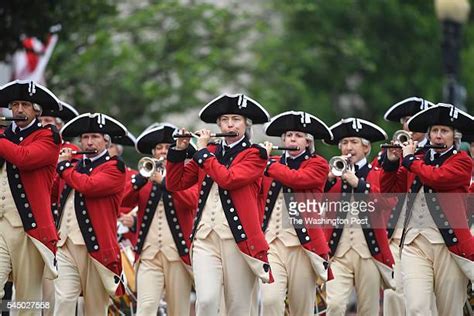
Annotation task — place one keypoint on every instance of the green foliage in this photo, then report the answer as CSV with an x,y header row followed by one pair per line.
x,y
157,59
139,60
347,58
34,18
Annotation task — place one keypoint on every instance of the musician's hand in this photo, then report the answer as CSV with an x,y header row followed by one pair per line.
x,y
331,176
203,140
350,177
394,154
268,147
156,177
182,143
65,154
126,220
409,148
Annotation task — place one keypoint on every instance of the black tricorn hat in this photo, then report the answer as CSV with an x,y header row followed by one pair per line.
x,y
27,90
356,127
67,113
407,107
234,104
93,123
159,134
127,140
298,121
441,114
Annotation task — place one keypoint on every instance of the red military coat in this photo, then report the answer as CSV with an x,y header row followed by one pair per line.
x,y
470,205
376,238
451,173
98,195
31,158
305,179
179,208
126,208
239,178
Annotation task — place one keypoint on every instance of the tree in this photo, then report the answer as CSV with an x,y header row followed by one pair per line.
x,y
156,58
35,18
346,58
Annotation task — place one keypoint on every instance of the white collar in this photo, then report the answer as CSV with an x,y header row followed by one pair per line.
x,y
234,143
361,163
14,126
294,157
432,152
96,157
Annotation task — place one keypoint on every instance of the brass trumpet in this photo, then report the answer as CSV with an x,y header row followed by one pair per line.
x,y
148,166
339,164
401,136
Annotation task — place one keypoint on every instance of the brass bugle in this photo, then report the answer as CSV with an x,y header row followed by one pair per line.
x,y
418,147
290,148
185,135
14,118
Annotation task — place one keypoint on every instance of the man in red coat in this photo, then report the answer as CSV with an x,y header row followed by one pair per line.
x,y
401,113
127,220
437,246
29,150
298,252
360,252
90,192
57,119
228,245
393,303
165,222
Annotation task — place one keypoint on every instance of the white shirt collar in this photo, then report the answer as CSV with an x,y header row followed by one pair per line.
x,y
23,128
96,157
432,152
361,163
294,157
234,143
423,142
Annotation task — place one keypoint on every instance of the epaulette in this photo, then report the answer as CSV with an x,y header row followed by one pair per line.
x,y
120,164
56,136
262,151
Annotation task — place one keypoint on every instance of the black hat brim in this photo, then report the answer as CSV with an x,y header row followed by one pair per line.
x,y
234,104
355,127
67,113
441,114
407,107
127,140
298,121
93,123
26,90
162,134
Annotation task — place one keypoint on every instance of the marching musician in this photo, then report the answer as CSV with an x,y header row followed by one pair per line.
x,y
298,253
228,245
89,196
437,247
127,219
164,224
56,119
393,303
360,252
29,154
